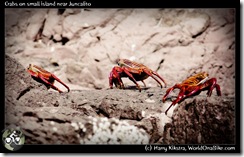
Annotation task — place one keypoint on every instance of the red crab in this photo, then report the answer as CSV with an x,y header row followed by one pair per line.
x,y
44,77
134,71
193,86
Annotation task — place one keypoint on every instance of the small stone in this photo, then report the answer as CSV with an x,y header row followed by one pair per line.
x,y
57,37
228,64
84,129
75,125
86,25
81,142
143,114
56,104
55,129
89,136
150,101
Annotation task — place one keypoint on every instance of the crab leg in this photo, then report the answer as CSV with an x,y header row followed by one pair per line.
x,y
179,98
213,84
111,79
169,91
218,89
169,108
114,74
143,83
150,74
182,95
157,80
193,89
160,78
131,77
44,80
60,81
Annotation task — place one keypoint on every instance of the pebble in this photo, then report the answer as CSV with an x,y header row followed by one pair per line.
x,y
150,101
55,129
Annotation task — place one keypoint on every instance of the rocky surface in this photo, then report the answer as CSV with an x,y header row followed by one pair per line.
x,y
112,116
80,46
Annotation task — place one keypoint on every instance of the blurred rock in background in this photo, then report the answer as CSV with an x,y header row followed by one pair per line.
x,y
81,45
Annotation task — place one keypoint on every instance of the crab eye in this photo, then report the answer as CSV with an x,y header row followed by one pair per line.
x,y
120,64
